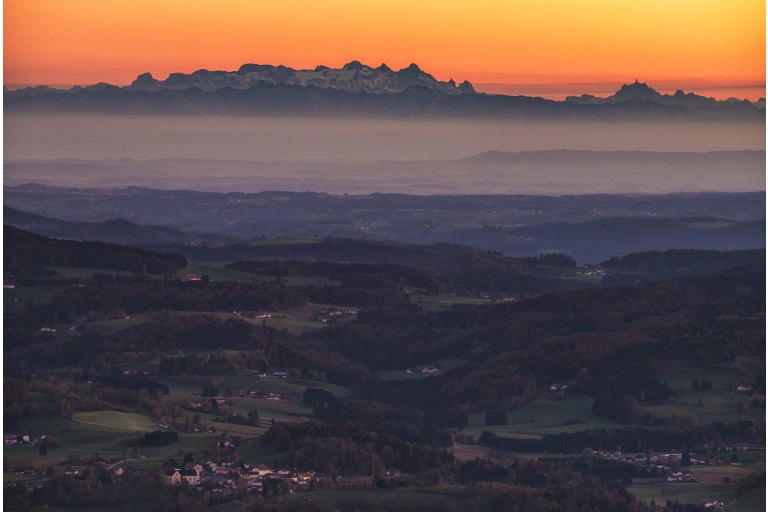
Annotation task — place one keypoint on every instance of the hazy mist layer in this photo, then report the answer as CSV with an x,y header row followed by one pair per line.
x,y
142,137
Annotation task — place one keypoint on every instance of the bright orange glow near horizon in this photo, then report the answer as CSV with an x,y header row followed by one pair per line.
x,y
487,41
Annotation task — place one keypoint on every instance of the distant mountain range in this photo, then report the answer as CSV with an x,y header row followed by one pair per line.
x,y
352,77
639,91
360,90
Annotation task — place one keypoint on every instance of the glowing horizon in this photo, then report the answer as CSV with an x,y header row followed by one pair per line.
x,y
715,46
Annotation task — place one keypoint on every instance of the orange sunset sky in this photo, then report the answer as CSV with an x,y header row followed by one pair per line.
x,y
551,48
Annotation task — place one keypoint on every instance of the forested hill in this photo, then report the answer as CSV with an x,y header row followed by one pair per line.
x,y
324,249
655,265
25,251
120,231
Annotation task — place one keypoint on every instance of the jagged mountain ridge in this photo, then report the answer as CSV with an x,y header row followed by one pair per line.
x,y
639,91
352,77
360,90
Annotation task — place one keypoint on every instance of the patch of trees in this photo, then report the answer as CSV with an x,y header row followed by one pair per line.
x,y
360,297
351,275
348,449
132,382
195,365
630,438
314,396
210,390
331,249
600,341
552,259
410,423
506,279
495,418
137,295
159,438
548,478
250,419
704,385
95,488
653,265
167,332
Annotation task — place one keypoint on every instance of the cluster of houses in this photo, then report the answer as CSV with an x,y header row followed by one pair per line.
x,y
592,270
680,476
331,315
263,315
221,404
226,475
24,440
667,465
661,461
264,395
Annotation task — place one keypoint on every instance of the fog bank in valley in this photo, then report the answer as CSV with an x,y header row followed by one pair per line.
x,y
380,155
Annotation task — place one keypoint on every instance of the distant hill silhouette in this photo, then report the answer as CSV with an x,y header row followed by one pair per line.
x,y
119,231
25,251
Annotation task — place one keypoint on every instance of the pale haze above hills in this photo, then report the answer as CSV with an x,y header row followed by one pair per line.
x,y
531,172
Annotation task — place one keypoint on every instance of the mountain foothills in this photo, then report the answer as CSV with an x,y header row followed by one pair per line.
x,y
360,90
353,374
590,228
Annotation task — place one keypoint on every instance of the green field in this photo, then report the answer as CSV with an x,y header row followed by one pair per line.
x,y
469,451
118,324
285,240
114,421
717,404
543,415
20,295
289,410
106,433
216,273
750,501
716,474
295,387
707,407
445,366
87,273
709,486
295,320
131,507
376,499
443,301
689,493
680,378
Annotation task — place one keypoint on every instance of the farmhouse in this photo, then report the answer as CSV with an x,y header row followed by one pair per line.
x,y
429,370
